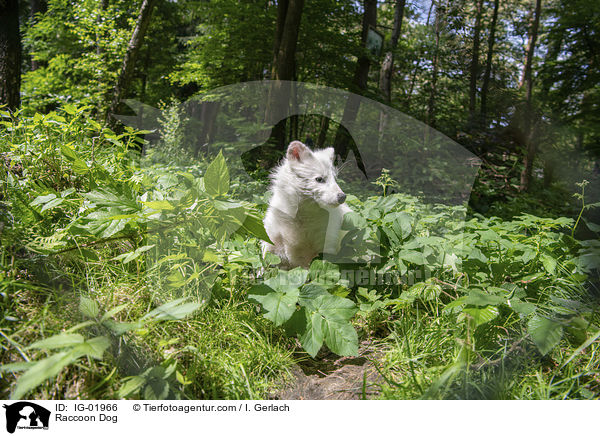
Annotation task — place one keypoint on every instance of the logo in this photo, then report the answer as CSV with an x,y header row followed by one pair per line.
x,y
26,415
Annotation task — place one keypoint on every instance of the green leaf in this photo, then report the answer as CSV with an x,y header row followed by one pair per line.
x,y
158,205
61,340
216,178
481,315
42,199
42,371
119,328
285,281
545,333
335,313
79,166
333,308
312,339
549,263
279,306
131,385
52,204
324,272
425,291
341,338
94,347
254,225
16,367
173,310
522,307
480,298
112,312
412,256
88,307
309,293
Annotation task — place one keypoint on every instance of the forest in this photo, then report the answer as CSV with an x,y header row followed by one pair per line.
x,y
136,142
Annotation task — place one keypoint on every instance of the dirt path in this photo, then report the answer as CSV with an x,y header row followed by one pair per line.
x,y
330,377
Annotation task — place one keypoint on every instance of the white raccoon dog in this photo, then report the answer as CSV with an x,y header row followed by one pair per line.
x,y
305,214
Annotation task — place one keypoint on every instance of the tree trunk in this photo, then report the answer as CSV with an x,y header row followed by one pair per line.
x,y
527,81
488,64
474,70
289,15
413,78
323,131
37,7
434,65
137,38
387,66
10,54
343,142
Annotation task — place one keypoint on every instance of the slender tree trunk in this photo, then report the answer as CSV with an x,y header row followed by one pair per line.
x,y
474,70
413,78
289,16
323,131
137,38
37,7
527,81
387,66
434,67
10,54
343,142
488,64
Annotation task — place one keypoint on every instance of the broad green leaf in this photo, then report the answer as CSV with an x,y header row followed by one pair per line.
x,y
285,281
412,256
549,263
481,315
79,166
52,204
176,309
88,307
254,225
324,272
94,347
119,328
42,199
340,337
426,291
480,298
42,371
279,306
61,340
333,308
310,292
131,385
522,307
216,178
545,333
16,367
312,339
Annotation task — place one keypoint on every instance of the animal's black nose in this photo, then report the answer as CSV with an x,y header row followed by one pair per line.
x,y
341,197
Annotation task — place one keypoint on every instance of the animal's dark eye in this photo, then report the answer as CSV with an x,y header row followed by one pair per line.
x,y
320,180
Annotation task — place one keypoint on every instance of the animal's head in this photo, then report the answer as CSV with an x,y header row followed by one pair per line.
x,y
316,174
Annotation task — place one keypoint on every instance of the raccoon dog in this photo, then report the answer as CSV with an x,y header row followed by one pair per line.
x,y
306,210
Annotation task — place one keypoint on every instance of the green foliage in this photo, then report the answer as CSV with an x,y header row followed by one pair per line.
x,y
144,280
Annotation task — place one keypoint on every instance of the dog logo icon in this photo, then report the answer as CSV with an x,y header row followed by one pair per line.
x,y
26,415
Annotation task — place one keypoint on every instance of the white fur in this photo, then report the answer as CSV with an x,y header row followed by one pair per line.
x,y
304,217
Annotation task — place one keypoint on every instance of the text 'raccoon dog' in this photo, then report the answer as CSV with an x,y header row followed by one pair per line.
x,y
306,210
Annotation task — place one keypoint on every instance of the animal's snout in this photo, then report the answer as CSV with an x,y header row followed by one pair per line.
x,y
341,197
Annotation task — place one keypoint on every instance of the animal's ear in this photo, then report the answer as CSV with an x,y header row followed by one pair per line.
x,y
297,151
330,153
